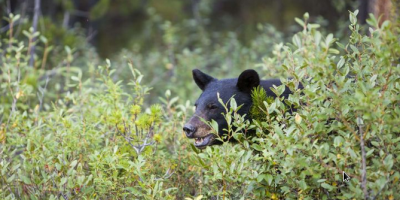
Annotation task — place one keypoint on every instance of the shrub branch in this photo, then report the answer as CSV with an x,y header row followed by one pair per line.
x,y
363,164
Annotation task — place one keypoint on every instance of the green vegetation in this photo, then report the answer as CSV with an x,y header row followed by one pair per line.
x,y
75,128
258,110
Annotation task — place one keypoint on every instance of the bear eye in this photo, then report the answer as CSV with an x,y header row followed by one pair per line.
x,y
212,106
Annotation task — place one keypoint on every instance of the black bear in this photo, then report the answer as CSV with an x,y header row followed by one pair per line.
x,y
208,107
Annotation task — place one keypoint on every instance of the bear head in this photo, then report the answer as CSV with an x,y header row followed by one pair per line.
x,y
208,108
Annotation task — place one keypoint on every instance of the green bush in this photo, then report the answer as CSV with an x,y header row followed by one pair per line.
x,y
72,133
347,121
84,131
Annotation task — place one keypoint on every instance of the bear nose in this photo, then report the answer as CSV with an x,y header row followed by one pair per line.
x,y
189,130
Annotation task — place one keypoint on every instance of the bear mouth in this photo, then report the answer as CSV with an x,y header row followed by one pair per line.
x,y
202,142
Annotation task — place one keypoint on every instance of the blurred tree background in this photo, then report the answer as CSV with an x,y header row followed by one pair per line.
x,y
166,39
113,25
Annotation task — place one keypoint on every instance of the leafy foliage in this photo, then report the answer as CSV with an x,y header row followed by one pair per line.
x,y
83,130
258,110
345,118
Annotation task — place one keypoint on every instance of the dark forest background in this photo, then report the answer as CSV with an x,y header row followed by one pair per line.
x,y
113,25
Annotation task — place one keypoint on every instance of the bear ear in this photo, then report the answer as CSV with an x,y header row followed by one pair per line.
x,y
201,79
247,80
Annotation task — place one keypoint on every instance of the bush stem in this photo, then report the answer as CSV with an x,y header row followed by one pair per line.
x,y
363,164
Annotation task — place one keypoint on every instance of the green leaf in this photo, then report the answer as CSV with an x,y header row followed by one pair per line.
x,y
360,121
296,40
329,39
321,180
73,163
317,38
16,17
338,141
334,51
195,149
214,125
341,62
352,153
375,143
198,197
74,78
313,26
233,104
232,168
173,100
269,179
370,152
58,166
132,190
25,179
340,45
388,162
11,178
354,48
299,21
327,186
353,18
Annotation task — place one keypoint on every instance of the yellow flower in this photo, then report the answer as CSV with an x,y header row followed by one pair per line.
x,y
395,179
2,136
297,118
19,94
169,66
135,109
121,128
36,108
115,117
143,121
157,137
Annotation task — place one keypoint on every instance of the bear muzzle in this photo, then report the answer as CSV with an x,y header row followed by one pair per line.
x,y
189,130
200,133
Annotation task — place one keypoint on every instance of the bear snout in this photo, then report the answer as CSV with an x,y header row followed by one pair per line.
x,y
189,130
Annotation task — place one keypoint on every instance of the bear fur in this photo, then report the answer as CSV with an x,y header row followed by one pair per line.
x,y
208,107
